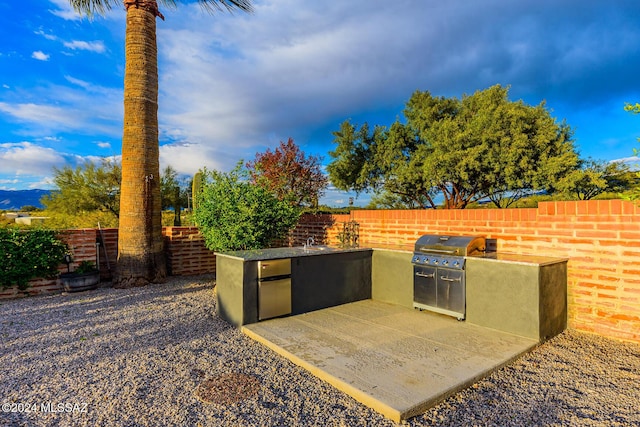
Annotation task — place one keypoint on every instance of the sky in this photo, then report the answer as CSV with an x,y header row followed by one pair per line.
x,y
235,84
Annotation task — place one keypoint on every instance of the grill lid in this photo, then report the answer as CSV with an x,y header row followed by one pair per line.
x,y
450,245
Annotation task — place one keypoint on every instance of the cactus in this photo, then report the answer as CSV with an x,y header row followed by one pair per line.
x,y
196,188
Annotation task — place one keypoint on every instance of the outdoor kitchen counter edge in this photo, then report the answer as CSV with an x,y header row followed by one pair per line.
x,y
519,258
278,253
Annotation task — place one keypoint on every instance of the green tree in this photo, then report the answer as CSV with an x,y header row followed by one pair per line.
x,y
596,177
635,109
480,146
85,188
634,194
90,194
140,243
173,193
234,214
29,208
289,174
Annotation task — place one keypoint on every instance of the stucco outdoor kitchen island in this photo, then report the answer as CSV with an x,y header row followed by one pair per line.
x,y
353,324
320,277
521,294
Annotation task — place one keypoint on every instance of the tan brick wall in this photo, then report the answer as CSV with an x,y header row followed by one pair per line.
x,y
184,246
601,239
187,253
323,228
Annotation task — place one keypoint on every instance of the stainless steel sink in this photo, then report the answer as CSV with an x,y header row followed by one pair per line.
x,y
317,248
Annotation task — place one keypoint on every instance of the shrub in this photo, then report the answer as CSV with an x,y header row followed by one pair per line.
x,y
234,214
85,267
28,254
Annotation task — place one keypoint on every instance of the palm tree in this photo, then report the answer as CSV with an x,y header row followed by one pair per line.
x,y
141,257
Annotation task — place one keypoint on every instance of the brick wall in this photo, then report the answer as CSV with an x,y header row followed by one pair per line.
x,y
323,228
601,239
185,250
82,244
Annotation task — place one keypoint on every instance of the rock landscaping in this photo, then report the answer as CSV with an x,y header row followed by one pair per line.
x,y
159,355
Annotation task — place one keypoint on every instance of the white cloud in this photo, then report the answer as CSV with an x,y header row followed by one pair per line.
x,y
26,158
83,84
102,144
95,46
187,159
40,56
34,113
86,110
52,138
246,82
45,35
632,159
44,183
64,10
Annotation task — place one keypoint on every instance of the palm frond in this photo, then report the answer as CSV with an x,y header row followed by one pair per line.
x,y
229,5
100,7
93,7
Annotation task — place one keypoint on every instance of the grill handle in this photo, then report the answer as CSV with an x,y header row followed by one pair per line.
x,y
440,251
447,279
428,276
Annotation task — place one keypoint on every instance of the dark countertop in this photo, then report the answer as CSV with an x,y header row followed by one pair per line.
x,y
299,251
407,248
519,258
277,253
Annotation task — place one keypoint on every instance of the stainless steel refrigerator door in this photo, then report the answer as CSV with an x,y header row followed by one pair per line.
x,y
274,267
274,298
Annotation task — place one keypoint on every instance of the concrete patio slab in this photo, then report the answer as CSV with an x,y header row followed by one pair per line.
x,y
396,360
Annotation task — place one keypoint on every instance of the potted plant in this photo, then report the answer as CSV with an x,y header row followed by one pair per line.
x,y
83,278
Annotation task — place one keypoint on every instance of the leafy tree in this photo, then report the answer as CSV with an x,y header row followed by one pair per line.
x,y
481,146
235,214
173,193
140,243
634,194
90,194
88,187
635,109
594,178
289,174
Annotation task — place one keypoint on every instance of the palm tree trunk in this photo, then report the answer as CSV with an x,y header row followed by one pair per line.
x,y
140,243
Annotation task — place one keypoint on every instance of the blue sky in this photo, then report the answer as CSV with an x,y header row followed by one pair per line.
x,y
232,85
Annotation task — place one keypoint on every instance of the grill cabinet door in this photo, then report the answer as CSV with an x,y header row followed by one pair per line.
x,y
424,285
450,290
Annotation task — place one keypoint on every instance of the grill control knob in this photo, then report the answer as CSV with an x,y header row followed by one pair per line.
x,y
445,262
456,263
425,259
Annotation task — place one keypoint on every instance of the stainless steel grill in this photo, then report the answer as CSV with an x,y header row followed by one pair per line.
x,y
439,282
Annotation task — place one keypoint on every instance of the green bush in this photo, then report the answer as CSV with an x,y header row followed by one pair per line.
x,y
28,254
234,214
85,267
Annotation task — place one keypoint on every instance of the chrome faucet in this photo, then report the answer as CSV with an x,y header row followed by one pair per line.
x,y
310,242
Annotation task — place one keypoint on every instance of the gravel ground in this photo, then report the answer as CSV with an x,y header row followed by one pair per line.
x,y
159,356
